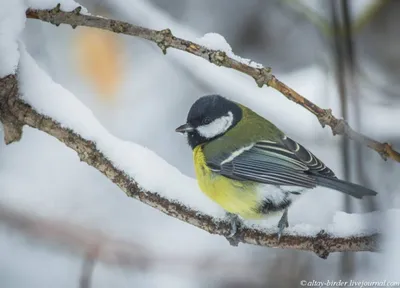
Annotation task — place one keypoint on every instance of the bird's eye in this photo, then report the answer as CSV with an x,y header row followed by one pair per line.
x,y
206,120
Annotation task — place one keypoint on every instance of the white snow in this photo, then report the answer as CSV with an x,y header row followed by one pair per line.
x,y
216,41
148,169
343,224
351,224
12,21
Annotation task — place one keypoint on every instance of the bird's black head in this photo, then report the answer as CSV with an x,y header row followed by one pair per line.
x,y
210,117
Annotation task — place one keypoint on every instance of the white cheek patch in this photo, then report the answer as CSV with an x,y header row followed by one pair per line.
x,y
217,127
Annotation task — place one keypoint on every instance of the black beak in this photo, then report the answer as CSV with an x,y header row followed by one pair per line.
x,y
184,128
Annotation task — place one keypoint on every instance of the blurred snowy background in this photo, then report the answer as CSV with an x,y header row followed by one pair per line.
x,y
142,96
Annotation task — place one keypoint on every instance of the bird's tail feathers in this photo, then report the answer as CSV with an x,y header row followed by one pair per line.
x,y
348,188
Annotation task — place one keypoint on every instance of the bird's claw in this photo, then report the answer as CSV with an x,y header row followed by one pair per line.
x,y
279,234
282,224
235,222
233,230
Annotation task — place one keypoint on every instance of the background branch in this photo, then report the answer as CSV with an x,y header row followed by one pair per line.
x,y
87,271
263,76
95,246
321,243
77,239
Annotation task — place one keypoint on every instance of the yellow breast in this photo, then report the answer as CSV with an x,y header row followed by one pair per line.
x,y
238,197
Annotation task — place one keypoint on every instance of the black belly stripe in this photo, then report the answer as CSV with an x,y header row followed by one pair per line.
x,y
295,193
268,206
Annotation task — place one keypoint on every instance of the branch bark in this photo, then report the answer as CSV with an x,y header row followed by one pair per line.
x,y
322,243
263,76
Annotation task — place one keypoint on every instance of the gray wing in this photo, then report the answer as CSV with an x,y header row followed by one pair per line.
x,y
278,163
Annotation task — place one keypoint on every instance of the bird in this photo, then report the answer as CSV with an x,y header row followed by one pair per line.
x,y
249,166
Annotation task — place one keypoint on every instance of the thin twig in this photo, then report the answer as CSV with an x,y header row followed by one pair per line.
x,y
85,280
263,76
321,243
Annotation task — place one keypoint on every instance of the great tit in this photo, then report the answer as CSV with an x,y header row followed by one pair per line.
x,y
248,166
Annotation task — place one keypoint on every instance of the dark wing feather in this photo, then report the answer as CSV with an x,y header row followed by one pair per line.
x,y
277,163
314,165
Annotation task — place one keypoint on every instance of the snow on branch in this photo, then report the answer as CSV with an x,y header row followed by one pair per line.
x,y
16,112
262,75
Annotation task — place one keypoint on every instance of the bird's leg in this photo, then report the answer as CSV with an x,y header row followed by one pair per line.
x,y
234,220
283,223
235,223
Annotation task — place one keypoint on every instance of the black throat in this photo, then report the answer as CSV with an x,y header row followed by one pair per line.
x,y
195,139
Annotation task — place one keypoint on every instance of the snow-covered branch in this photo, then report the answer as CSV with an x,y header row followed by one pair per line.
x,y
263,76
15,112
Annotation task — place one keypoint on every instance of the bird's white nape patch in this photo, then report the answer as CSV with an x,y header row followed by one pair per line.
x,y
216,127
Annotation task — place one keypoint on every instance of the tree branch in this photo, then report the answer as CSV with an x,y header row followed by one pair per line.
x,y
322,243
12,127
263,76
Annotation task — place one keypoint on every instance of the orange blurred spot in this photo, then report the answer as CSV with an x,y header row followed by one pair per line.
x,y
98,55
